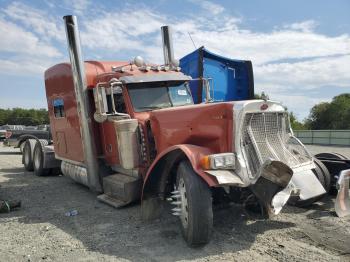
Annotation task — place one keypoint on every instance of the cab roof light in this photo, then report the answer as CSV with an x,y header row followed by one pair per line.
x,y
119,69
165,68
156,68
144,68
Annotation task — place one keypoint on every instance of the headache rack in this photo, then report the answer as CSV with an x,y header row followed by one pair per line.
x,y
268,136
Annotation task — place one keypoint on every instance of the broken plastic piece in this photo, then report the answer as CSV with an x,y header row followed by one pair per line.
x,y
342,203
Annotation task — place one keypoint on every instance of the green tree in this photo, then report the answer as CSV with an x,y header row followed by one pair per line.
x,y
333,115
20,116
295,124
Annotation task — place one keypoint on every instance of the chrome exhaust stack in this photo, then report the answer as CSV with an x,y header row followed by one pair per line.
x,y
168,50
81,93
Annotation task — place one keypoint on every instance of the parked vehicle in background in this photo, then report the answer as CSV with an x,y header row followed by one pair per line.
x,y
31,128
17,137
2,132
4,128
13,127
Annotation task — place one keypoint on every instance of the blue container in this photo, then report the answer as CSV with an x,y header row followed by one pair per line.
x,y
232,79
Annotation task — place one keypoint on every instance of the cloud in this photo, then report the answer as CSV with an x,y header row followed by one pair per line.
x,y
140,30
36,20
210,7
28,47
131,31
79,6
15,40
288,60
266,47
305,26
298,104
310,74
25,65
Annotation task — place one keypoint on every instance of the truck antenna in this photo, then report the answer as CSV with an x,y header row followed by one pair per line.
x,y
192,40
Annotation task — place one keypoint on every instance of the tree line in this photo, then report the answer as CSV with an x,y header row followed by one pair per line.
x,y
325,115
27,117
334,115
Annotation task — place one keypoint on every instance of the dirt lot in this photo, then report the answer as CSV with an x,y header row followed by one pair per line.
x,y
40,230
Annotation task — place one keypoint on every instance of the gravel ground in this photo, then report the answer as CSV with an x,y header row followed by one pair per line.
x,y
39,230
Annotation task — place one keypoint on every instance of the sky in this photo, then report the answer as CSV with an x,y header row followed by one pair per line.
x,y
300,49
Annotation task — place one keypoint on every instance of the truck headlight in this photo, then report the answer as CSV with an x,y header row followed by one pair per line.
x,y
218,161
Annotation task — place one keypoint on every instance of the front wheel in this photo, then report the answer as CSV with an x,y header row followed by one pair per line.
x,y
194,206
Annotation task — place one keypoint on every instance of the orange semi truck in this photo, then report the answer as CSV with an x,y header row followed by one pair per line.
x,y
130,131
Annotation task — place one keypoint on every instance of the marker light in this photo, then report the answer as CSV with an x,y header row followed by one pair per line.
x,y
156,68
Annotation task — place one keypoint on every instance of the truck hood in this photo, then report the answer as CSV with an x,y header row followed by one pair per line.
x,y
208,125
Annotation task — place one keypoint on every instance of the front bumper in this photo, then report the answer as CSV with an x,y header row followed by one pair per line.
x,y
277,182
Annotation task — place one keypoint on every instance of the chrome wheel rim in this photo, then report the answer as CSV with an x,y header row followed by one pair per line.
x,y
183,203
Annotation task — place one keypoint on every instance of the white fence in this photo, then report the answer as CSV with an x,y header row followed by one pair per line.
x,y
324,137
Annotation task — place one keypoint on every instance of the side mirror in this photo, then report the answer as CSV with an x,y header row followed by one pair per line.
x,y
100,104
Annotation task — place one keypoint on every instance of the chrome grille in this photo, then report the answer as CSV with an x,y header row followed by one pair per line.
x,y
267,136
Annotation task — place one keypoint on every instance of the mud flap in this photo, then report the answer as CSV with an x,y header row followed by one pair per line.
x,y
271,188
342,203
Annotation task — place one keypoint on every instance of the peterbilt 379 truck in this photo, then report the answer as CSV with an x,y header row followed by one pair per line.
x,y
130,131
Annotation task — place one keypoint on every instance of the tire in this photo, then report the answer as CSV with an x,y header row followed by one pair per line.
x,y
21,146
196,218
331,155
324,177
38,160
28,155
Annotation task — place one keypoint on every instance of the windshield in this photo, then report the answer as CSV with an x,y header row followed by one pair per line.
x,y
157,95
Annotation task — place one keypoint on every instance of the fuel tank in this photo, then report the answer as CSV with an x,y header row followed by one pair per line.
x,y
208,125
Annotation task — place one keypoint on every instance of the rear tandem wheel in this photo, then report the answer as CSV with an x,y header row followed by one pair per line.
x,y
38,159
28,154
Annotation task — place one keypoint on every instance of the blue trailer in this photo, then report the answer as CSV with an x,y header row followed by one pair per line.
x,y
230,79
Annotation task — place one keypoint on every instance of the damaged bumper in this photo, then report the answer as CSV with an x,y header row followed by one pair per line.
x,y
284,182
272,187
306,183
275,184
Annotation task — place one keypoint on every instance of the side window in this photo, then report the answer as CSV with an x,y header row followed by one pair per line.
x,y
119,103
58,108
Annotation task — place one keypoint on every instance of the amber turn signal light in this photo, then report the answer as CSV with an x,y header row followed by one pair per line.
x,y
205,162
